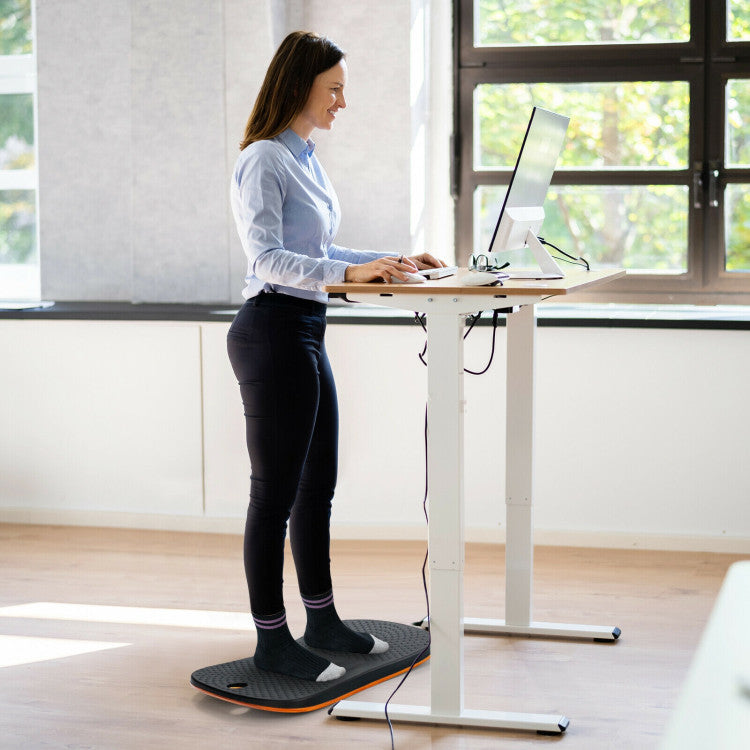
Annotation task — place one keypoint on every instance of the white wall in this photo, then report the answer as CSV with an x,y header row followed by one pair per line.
x,y
103,417
640,433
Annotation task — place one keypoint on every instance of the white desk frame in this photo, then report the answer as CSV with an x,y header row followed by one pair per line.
x,y
446,311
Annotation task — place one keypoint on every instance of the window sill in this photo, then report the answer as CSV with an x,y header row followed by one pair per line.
x,y
727,317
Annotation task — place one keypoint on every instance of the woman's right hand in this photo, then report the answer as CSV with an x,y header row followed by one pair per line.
x,y
382,269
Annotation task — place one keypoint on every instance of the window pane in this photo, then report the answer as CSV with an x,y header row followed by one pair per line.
x,y
15,27
738,20
634,124
737,227
541,22
738,123
16,131
17,226
642,228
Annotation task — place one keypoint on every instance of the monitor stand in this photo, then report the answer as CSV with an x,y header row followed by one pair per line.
x,y
548,268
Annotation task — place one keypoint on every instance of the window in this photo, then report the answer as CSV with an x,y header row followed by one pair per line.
x,y
655,173
19,251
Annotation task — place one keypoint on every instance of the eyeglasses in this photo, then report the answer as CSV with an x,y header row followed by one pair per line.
x,y
480,262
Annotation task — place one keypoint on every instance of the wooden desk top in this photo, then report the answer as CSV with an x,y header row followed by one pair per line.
x,y
574,281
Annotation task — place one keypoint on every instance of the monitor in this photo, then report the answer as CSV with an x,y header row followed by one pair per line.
x,y
522,212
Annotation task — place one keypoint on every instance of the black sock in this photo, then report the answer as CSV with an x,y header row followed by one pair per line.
x,y
277,651
325,629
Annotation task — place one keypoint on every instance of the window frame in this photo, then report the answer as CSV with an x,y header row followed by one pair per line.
x,y
18,75
703,61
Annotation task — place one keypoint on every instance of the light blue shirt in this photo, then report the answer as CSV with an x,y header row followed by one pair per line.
x,y
287,216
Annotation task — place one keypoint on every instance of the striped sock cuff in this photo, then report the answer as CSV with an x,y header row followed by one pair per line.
x,y
318,602
271,622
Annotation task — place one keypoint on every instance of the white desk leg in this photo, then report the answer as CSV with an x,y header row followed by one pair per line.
x,y
519,465
445,449
519,484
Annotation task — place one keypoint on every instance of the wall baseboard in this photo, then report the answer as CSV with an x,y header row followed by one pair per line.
x,y
114,519
556,538
476,534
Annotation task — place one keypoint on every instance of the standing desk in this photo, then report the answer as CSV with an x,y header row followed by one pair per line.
x,y
446,304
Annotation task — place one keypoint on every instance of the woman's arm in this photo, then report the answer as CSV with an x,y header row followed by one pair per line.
x,y
258,191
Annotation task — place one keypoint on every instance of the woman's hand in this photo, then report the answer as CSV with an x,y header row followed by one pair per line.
x,y
425,260
383,269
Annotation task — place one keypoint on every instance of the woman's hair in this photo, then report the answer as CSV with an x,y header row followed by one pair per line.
x,y
299,59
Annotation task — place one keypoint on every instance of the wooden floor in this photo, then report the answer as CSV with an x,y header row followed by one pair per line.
x,y
136,693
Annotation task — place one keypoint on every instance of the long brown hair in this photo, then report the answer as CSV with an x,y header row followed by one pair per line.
x,y
299,59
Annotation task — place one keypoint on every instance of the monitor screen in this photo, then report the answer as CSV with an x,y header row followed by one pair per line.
x,y
534,168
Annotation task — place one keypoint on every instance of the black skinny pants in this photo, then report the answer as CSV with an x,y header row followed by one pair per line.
x,y
277,350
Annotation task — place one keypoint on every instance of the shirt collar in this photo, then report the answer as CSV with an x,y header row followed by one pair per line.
x,y
299,147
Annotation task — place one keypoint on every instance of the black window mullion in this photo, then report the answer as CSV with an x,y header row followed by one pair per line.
x,y
595,177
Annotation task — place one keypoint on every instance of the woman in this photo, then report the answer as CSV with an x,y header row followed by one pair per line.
x,y
287,215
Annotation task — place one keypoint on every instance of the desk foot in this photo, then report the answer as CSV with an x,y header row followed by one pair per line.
x,y
541,723
542,629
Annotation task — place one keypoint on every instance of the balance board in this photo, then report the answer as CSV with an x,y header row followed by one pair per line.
x,y
243,683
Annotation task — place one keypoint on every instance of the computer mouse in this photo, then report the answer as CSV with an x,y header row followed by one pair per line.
x,y
411,278
478,278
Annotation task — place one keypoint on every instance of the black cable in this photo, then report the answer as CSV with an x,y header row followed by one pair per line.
x,y
474,319
420,318
570,258
424,651
495,315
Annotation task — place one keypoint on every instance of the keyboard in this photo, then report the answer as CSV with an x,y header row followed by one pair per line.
x,y
438,273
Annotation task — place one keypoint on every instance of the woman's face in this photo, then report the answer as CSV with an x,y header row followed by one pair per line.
x,y
326,98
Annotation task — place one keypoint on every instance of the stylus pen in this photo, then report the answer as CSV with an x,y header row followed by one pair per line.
x,y
401,259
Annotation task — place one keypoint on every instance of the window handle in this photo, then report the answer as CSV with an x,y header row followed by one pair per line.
x,y
698,185
713,184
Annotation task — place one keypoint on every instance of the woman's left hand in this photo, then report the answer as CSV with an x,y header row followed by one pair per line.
x,y
425,260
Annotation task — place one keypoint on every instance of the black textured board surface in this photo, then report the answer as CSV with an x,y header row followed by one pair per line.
x,y
242,682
